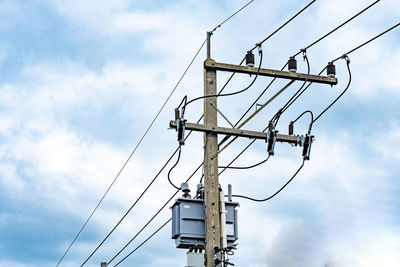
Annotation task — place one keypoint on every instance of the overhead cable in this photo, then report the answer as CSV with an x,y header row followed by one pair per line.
x,y
274,194
141,244
132,153
147,130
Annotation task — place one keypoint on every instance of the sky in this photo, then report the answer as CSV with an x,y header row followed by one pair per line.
x,y
80,81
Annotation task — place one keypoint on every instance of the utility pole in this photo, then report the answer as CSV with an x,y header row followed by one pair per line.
x,y
213,240
211,184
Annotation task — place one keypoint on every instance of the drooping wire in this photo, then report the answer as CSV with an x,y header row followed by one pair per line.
x,y
233,93
176,163
301,115
245,167
344,91
274,194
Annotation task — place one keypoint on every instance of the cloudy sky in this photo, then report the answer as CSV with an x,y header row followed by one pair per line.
x,y
80,81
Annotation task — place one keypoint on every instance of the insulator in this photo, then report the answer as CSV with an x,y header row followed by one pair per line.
x,y
331,69
181,131
291,130
250,59
271,142
307,146
177,114
185,189
292,64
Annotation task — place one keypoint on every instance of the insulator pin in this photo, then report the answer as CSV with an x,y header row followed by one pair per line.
x,y
292,64
250,59
331,70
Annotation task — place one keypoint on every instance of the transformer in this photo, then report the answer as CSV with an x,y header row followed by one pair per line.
x,y
188,223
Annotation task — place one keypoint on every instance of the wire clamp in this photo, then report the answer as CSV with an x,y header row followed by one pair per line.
x,y
304,51
259,45
345,57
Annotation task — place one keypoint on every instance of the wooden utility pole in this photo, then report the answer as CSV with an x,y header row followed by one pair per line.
x,y
211,130
211,184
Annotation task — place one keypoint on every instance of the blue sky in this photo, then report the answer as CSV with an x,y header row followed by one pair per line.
x,y
81,80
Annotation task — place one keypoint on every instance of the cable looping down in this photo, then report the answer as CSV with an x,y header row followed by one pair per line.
x,y
274,194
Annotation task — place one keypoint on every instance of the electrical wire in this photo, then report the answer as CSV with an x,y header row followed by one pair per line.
x,y
307,47
257,45
176,163
138,199
233,93
132,153
351,51
147,130
277,116
284,24
344,91
338,27
367,42
155,215
301,115
315,43
274,194
245,167
141,244
231,16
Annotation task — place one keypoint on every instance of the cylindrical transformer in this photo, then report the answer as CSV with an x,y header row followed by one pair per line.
x,y
331,69
250,59
292,64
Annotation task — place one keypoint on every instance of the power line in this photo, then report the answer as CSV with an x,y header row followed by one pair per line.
x,y
307,47
137,200
141,244
147,130
284,24
347,87
338,27
367,42
233,93
234,14
202,115
351,51
245,167
155,215
277,192
176,163
313,44
133,152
